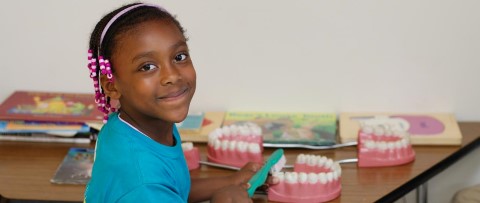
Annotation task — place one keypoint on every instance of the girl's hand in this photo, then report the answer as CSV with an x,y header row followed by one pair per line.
x,y
246,173
232,194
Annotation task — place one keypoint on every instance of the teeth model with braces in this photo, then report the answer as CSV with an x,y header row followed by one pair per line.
x,y
192,155
380,146
315,179
236,145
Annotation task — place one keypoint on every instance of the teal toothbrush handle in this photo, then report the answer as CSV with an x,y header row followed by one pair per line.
x,y
259,178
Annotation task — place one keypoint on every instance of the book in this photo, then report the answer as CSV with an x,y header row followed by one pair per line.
x,y
76,167
59,128
79,138
50,106
192,123
211,121
317,128
424,128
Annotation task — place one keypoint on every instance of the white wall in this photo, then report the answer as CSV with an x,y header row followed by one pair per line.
x,y
413,56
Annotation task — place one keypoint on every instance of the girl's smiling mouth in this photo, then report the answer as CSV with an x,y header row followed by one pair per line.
x,y
174,95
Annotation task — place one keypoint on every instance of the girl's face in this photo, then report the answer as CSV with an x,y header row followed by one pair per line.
x,y
154,76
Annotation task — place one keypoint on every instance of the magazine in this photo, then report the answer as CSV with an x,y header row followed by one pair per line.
x,y
76,167
290,127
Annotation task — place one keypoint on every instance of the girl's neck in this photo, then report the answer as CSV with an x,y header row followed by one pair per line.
x,y
160,131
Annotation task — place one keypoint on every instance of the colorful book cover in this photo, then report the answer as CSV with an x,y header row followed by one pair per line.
x,y
79,138
50,106
424,128
20,126
211,121
192,123
76,167
290,127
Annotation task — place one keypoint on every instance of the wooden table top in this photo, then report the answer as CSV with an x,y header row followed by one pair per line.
x,y
26,169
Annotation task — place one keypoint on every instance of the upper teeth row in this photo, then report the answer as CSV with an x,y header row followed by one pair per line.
x,y
294,177
187,146
380,130
313,160
382,145
235,145
237,130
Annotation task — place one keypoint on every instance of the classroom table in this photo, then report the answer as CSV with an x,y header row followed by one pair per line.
x,y
26,169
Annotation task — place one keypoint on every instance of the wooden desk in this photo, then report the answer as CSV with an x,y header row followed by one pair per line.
x,y
26,168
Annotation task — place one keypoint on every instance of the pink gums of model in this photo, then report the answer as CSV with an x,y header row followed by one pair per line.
x,y
192,155
235,145
378,147
315,179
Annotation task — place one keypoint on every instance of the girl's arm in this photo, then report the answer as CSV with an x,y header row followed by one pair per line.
x,y
204,188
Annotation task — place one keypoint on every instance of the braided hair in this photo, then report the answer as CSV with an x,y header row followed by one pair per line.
x,y
103,48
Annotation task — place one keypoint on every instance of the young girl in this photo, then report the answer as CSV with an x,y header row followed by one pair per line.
x,y
139,56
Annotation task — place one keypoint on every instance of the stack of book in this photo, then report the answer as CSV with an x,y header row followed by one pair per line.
x,y
48,117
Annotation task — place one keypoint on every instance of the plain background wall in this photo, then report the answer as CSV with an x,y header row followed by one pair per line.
x,y
401,56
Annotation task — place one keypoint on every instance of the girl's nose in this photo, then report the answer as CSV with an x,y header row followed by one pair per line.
x,y
169,74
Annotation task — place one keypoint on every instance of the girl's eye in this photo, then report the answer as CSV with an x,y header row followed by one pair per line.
x,y
147,67
181,57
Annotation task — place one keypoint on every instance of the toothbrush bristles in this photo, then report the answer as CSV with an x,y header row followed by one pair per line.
x,y
279,165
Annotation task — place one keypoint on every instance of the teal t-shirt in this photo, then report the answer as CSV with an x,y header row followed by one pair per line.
x,y
131,167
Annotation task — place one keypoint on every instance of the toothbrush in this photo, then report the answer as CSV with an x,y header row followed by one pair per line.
x,y
274,163
343,161
306,146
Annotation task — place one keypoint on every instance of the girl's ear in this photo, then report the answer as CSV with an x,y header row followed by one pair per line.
x,y
109,88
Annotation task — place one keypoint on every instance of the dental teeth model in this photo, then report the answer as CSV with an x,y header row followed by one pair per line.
x,y
380,146
192,155
315,179
236,145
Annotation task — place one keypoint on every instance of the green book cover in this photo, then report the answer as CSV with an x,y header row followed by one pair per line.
x,y
290,127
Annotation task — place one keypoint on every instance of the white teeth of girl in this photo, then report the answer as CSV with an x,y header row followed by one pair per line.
x,y
187,146
302,177
322,177
301,159
217,145
232,145
254,148
312,178
329,177
242,146
224,144
279,175
329,163
226,131
291,177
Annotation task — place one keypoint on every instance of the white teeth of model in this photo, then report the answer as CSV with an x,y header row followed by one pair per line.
x,y
232,145
312,178
225,144
311,160
367,130
398,144
391,145
187,146
291,177
254,148
337,168
279,175
234,130
322,177
323,159
217,144
379,131
329,177
328,163
335,175
301,159
242,146
388,133
226,131
320,161
257,131
404,142
370,144
244,131
382,145
302,177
